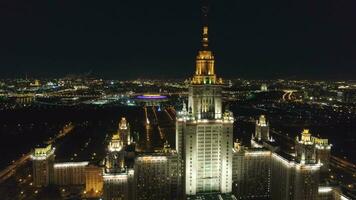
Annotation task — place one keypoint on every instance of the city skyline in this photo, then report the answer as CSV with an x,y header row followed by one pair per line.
x,y
207,136
311,40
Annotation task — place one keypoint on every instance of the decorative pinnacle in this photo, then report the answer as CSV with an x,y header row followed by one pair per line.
x,y
205,12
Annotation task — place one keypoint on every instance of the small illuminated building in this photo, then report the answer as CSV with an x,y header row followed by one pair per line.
x,y
42,164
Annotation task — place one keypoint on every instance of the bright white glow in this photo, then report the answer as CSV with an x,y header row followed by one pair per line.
x,y
323,147
342,197
153,158
115,176
298,166
308,166
255,144
258,153
131,172
324,189
112,149
283,160
71,164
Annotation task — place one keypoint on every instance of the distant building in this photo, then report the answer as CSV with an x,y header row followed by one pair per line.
x,y
70,173
93,181
264,87
42,164
349,95
323,149
124,131
262,129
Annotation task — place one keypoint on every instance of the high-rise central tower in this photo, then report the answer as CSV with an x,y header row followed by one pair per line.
x,y
204,135
205,89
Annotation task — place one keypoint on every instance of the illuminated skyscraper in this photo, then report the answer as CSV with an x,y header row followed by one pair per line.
x,y
204,133
117,178
124,131
42,163
323,149
262,129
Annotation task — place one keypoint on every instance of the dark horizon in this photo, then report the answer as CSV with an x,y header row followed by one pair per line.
x,y
126,40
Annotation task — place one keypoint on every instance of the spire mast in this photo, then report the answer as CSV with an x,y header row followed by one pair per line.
x,y
205,14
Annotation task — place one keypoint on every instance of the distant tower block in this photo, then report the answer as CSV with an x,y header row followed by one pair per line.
x,y
262,129
264,87
322,153
114,162
42,163
116,177
124,132
305,149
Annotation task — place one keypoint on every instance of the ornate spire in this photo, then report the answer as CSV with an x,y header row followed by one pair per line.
x,y
205,33
205,70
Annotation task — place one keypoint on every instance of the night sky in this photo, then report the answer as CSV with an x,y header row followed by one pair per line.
x,y
124,39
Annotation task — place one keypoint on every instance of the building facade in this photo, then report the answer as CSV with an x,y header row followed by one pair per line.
x,y
251,172
93,181
42,165
157,176
69,173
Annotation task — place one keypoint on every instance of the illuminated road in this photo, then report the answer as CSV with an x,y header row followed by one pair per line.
x,y
287,96
158,127
11,170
